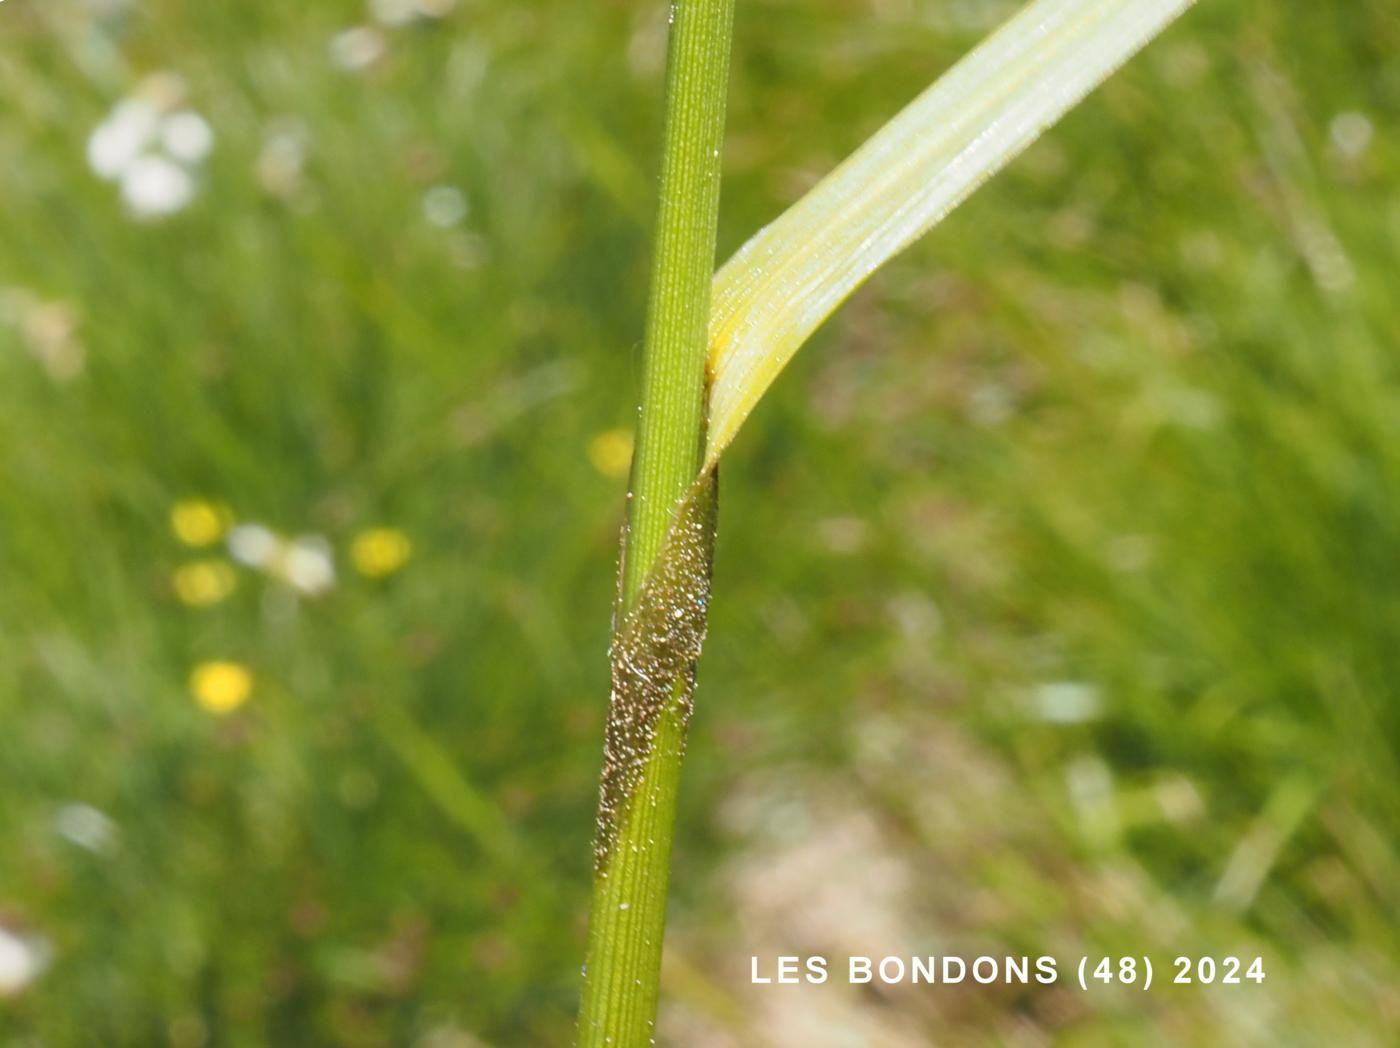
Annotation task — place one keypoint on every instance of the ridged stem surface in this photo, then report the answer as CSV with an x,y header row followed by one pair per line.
x,y
623,964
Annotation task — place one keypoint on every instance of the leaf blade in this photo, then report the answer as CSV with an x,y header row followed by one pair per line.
x,y
780,286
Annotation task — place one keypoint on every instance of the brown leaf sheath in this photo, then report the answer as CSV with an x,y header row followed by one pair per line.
x,y
653,653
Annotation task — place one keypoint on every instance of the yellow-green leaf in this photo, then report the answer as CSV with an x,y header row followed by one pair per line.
x,y
784,282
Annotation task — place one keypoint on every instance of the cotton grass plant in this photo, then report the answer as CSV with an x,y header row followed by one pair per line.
x,y
715,345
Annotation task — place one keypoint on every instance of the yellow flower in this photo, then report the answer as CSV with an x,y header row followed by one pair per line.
x,y
611,452
198,523
380,551
204,582
221,687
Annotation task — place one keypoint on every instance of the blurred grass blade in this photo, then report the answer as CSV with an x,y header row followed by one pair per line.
x,y
770,297
470,809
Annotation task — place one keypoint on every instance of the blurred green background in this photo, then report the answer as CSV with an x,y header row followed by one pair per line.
x,y
1058,587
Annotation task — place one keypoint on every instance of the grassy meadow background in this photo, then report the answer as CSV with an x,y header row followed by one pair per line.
x,y
1058,586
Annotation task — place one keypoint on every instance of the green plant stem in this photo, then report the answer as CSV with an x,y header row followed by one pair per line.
x,y
623,964
670,430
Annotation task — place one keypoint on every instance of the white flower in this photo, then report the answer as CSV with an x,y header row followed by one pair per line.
x,y
356,49
85,826
444,206
153,187
118,141
22,959
307,565
1352,133
1066,702
151,148
253,545
393,12
186,136
304,563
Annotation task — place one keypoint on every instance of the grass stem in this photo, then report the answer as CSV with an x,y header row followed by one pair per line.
x,y
623,964
670,430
